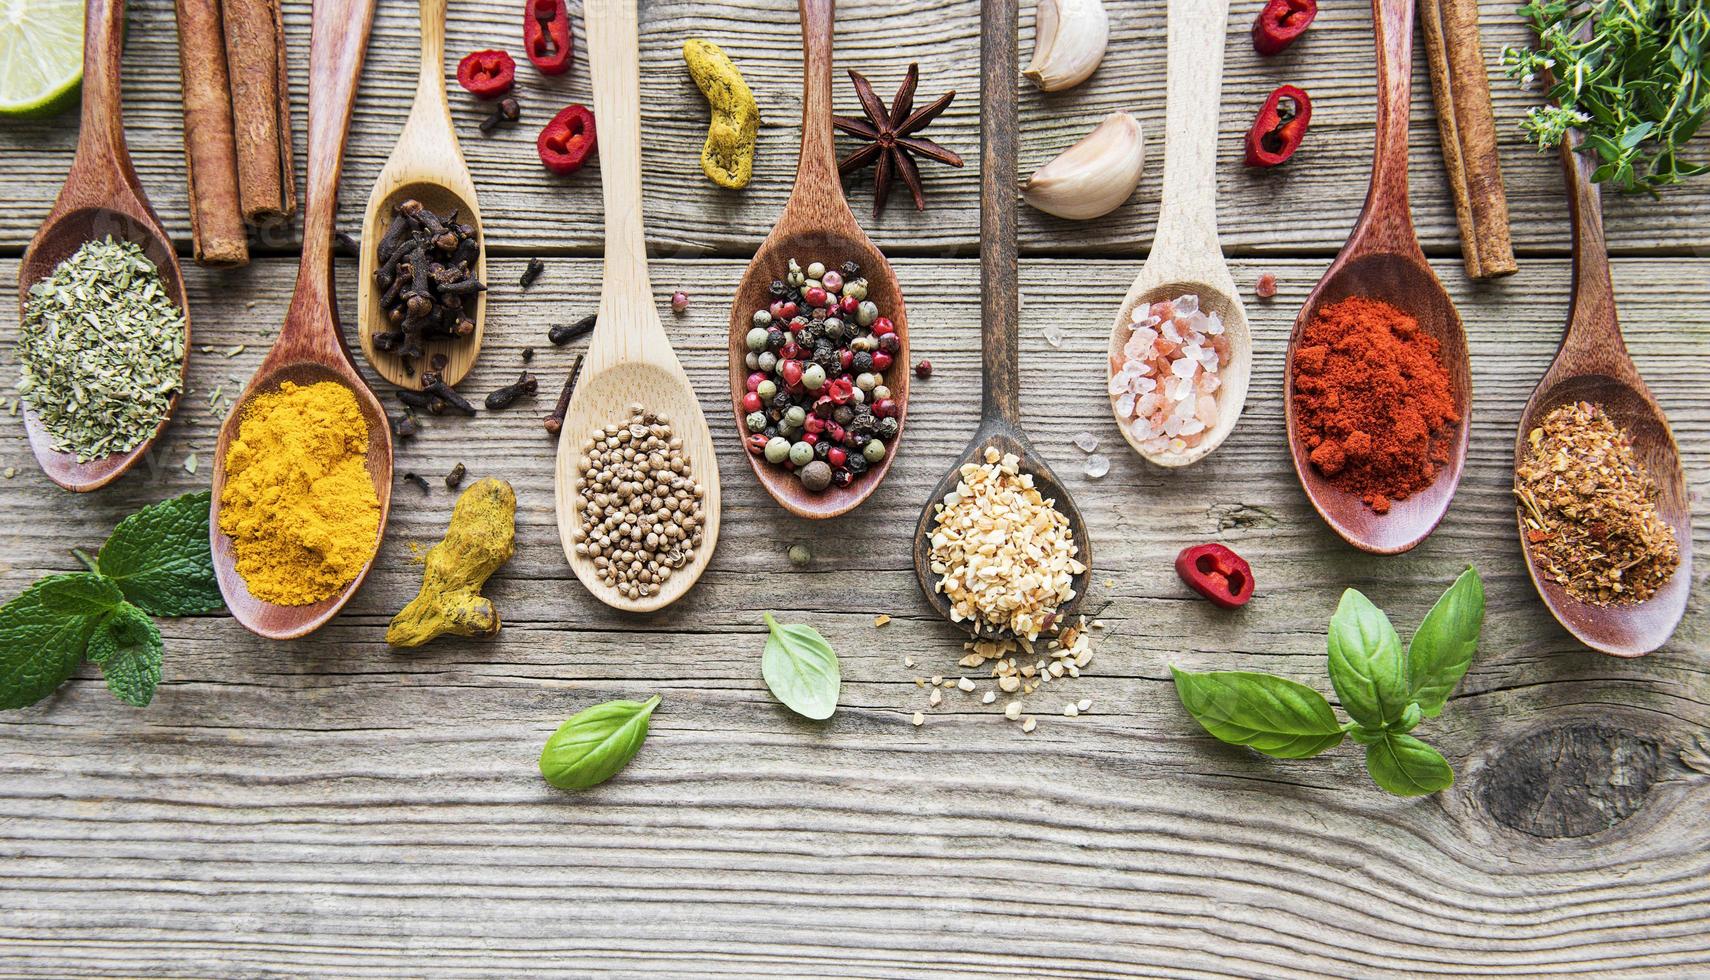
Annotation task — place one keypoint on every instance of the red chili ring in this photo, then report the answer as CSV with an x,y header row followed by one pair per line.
x,y
1273,139
546,36
1280,23
487,74
1217,573
568,140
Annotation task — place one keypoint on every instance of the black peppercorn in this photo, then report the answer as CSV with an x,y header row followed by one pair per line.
x,y
889,343
862,364
821,449
857,464
782,401
841,477
843,415
778,289
776,339
770,432
888,428
851,269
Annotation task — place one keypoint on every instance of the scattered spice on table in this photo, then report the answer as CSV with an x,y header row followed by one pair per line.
x,y
1165,380
1372,401
506,110
419,482
1276,133
1590,509
923,370
1280,23
525,386
640,518
1266,286
426,277
481,538
454,479
816,402
1018,669
893,138
679,302
487,74
568,140
298,502
102,350
532,272
727,157
562,333
1004,555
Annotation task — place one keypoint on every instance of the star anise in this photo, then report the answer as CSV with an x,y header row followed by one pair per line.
x,y
893,137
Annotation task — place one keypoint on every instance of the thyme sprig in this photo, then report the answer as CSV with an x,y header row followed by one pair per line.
x,y
1633,76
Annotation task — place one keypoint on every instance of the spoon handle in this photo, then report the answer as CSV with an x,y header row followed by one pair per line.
x,y
817,179
1386,223
430,86
1000,308
1186,238
338,39
1594,331
101,141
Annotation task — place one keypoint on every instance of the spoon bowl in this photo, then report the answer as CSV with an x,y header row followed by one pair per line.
x,y
1382,260
817,226
1000,322
427,165
1186,256
1593,366
311,346
101,197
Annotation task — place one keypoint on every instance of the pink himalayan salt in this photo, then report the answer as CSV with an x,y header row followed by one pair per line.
x,y
1164,382
1267,286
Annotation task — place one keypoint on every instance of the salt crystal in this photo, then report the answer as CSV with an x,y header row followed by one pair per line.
x,y
1119,382
1171,333
1097,465
1142,384
1138,344
1146,333
1086,442
1208,359
1148,403
1192,350
1156,445
1173,425
1143,429
1124,410
1209,383
1187,305
1207,410
1178,446
1054,334
1213,325
1184,367
1192,427
1267,286
1187,408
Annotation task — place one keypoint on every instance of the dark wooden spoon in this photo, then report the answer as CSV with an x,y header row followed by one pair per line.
x,y
101,197
1382,260
1593,366
1000,316
311,346
817,226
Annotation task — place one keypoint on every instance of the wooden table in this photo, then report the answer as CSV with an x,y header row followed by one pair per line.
x,y
331,807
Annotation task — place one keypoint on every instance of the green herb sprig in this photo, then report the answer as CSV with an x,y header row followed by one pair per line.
x,y
156,563
1385,691
1633,76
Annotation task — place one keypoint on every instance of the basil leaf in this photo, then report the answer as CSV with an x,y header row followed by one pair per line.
x,y
127,645
1366,665
1272,714
1405,766
45,631
595,743
160,557
1443,648
801,669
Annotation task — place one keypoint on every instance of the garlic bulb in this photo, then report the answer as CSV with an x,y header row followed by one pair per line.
x,y
1094,176
1069,41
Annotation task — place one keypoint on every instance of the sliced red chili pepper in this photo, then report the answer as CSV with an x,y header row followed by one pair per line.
x,y
1275,136
546,36
1280,22
487,74
1217,573
568,140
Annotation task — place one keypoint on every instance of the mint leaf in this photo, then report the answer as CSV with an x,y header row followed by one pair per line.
x,y
1366,665
160,557
1405,766
1443,647
127,645
1271,714
45,630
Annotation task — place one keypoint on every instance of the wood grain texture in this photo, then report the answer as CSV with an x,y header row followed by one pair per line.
x,y
1307,205
326,807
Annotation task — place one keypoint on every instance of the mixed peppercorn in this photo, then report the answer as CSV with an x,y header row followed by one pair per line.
x,y
816,401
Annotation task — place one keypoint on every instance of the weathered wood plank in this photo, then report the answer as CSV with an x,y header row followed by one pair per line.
x,y
331,808
1308,205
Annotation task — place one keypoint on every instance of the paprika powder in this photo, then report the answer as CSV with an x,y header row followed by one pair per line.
x,y
1372,401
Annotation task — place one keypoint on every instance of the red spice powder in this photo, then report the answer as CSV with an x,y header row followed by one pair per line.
x,y
1372,401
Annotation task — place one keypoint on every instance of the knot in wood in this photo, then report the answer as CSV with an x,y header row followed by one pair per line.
x,y
1570,781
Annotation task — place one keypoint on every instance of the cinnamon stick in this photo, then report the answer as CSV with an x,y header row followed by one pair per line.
x,y
1466,126
261,101
210,154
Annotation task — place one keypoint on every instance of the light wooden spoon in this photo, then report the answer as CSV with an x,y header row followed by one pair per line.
x,y
1186,256
1593,366
1000,319
817,226
101,197
1382,260
311,346
426,164
629,357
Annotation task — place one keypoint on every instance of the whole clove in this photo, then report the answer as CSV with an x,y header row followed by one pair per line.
x,y
526,384
454,479
563,333
419,482
436,389
348,244
506,110
532,272
527,354
555,421
405,425
426,278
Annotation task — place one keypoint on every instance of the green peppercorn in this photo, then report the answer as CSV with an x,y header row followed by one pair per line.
x,y
866,313
756,421
866,381
881,391
767,390
800,555
815,270
757,339
752,360
767,361
801,453
833,328
814,377
777,449
762,318
795,416
875,451
856,288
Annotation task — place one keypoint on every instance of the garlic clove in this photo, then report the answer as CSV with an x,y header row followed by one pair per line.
x,y
1070,37
1093,177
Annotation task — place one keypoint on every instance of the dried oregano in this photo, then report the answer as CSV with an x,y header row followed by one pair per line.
x,y
102,348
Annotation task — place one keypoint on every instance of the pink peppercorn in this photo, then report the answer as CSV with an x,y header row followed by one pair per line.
x,y
679,302
923,370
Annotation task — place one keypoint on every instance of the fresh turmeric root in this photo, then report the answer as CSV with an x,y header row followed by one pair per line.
x,y
481,538
728,155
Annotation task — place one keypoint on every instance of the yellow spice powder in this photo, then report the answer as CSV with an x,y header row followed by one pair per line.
x,y
298,503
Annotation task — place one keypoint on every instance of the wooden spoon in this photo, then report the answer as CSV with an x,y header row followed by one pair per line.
x,y
311,346
1000,407
629,357
817,226
1593,366
1382,260
101,197
426,164
1186,256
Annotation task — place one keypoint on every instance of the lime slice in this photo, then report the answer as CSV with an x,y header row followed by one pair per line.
x,y
41,55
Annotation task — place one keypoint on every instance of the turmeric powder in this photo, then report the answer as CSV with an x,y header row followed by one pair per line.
x,y
481,538
298,502
728,155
